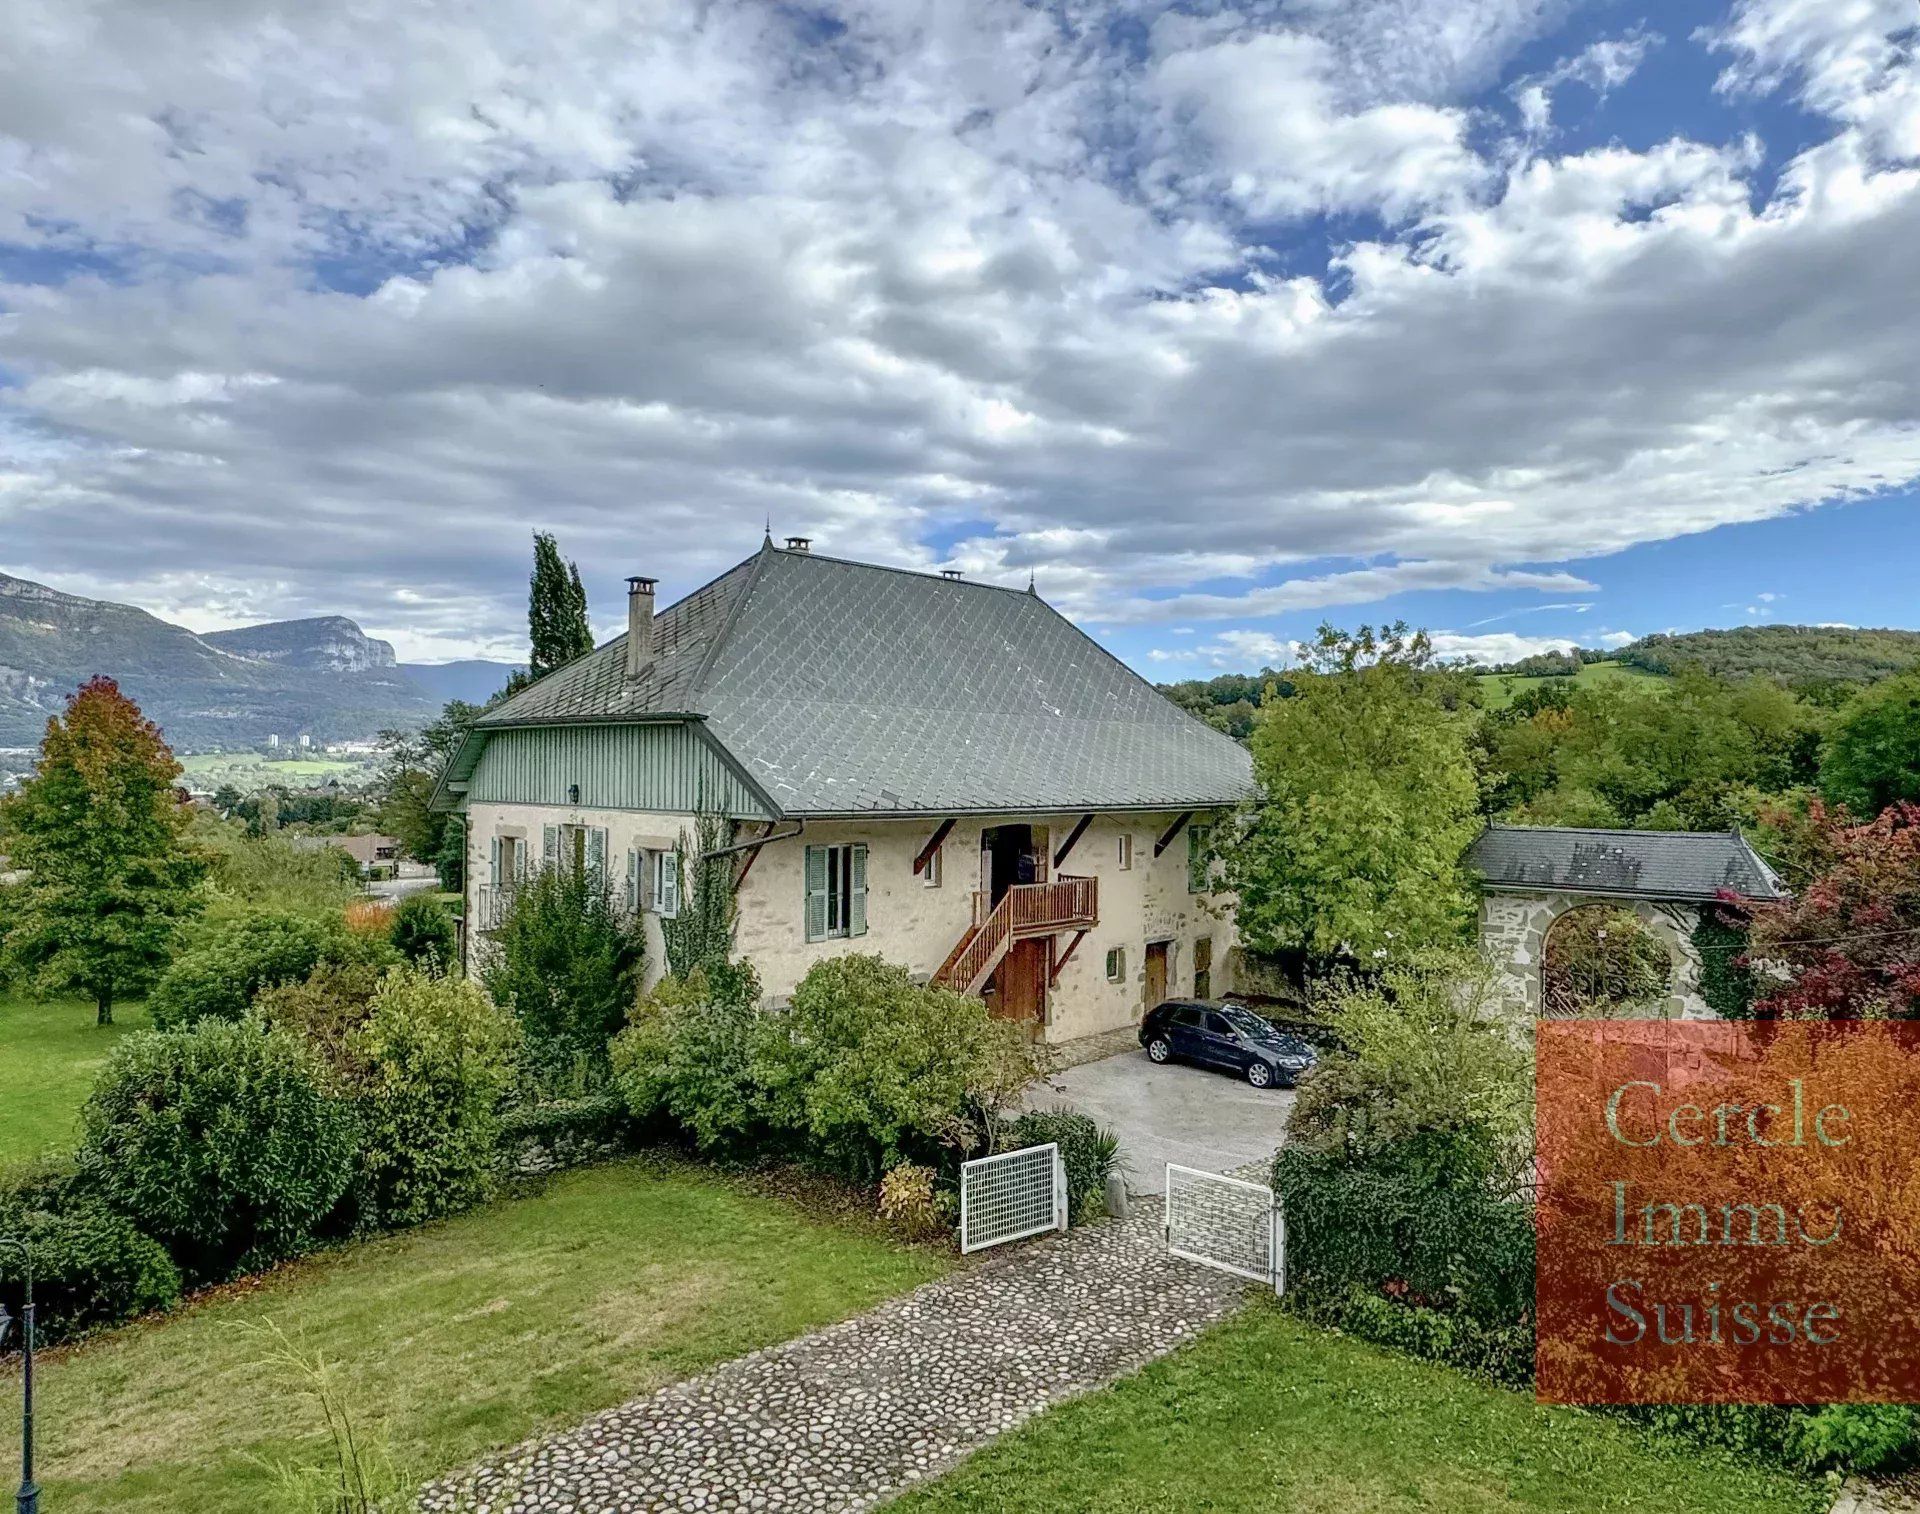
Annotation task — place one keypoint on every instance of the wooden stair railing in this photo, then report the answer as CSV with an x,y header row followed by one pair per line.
x,y
1026,909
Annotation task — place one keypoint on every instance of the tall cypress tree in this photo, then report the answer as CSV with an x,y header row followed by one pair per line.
x,y
556,610
99,835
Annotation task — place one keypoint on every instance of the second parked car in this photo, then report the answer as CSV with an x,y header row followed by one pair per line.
x,y
1228,1036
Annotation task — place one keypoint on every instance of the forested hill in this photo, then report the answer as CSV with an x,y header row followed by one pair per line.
x,y
1797,656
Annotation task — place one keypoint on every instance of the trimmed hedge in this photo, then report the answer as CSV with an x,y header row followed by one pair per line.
x,y
557,1133
1387,1232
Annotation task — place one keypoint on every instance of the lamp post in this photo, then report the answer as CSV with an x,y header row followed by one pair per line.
x,y
27,1500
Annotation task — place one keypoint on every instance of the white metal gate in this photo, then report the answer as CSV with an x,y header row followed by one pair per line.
x,y
1012,1195
1228,1223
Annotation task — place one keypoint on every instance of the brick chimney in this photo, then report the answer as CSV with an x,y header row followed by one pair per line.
x,y
639,626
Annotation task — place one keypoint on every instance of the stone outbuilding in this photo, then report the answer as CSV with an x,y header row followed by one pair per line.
x,y
1533,875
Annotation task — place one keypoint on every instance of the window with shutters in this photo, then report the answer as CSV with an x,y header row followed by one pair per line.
x,y
664,884
1199,857
836,903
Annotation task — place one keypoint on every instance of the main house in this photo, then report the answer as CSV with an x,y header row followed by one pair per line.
x,y
946,774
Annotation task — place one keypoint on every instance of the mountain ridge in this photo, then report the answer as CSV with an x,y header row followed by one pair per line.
x,y
321,676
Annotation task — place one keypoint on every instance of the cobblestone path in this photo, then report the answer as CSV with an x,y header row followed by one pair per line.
x,y
840,1419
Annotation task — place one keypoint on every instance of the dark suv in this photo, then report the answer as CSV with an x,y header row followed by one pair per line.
x,y
1225,1035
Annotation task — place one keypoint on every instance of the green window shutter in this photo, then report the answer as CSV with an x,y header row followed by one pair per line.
x,y
597,854
857,894
550,846
493,863
633,883
1197,859
816,893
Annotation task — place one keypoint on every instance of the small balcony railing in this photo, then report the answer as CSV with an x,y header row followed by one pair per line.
x,y
1025,909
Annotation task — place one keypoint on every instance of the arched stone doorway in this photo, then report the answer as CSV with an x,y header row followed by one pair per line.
x,y
1514,927
1599,962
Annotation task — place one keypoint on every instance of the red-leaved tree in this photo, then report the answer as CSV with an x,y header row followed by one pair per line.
x,y
97,834
1849,941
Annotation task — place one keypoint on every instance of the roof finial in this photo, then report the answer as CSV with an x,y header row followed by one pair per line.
x,y
1030,588
769,528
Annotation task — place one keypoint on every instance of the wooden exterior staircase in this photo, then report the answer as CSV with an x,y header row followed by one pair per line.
x,y
1025,909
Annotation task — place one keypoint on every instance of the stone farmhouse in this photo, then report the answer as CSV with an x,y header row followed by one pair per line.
x,y
945,774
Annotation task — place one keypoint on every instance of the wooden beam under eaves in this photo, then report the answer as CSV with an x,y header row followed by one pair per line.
x,y
1172,832
1079,830
940,834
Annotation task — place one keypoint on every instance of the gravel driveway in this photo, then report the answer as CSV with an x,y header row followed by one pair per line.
x,y
1189,1115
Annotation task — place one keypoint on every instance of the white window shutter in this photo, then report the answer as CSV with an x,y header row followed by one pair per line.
x,y
633,883
857,894
816,898
669,884
597,854
549,846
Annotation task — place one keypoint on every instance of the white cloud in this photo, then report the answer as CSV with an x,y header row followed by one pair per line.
x,y
1602,66
325,307
1495,646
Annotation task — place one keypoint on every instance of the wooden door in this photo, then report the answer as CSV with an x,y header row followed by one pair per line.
x,y
1156,972
1020,982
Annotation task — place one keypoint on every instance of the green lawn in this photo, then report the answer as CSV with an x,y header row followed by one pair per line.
x,y
49,1052
527,1315
1267,1414
1498,689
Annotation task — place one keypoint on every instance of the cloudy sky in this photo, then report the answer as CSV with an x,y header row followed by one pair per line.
x,y
1528,320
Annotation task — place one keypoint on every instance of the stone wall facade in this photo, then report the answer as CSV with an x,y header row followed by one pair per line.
x,y
915,924
1513,933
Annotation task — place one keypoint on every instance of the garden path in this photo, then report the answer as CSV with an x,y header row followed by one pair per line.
x,y
843,1418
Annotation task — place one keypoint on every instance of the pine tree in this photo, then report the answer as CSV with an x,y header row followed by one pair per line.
x,y
556,610
98,833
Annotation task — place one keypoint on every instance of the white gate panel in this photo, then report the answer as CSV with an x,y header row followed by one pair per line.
x,y
1228,1223
1011,1196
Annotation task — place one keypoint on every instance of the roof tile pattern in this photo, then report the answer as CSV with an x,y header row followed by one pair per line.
x,y
1689,865
846,688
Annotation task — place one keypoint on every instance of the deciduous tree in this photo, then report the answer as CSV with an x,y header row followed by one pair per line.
x,y
1849,941
1872,758
1367,801
98,832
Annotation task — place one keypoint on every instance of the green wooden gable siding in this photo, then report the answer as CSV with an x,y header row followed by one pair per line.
x,y
667,769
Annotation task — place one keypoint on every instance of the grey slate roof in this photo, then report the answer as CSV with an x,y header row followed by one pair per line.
x,y
1673,865
848,688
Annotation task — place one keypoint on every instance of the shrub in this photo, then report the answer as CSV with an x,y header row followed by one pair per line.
x,y
871,1069
865,1070
422,932
1817,1438
555,1133
438,1056
1393,1233
224,1142
694,1053
909,1204
327,1010
1089,1154
91,1267
1496,1352
567,960
1433,1082
268,874
234,959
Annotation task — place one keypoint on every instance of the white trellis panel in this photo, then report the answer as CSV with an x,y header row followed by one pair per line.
x,y
1228,1223
1011,1196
